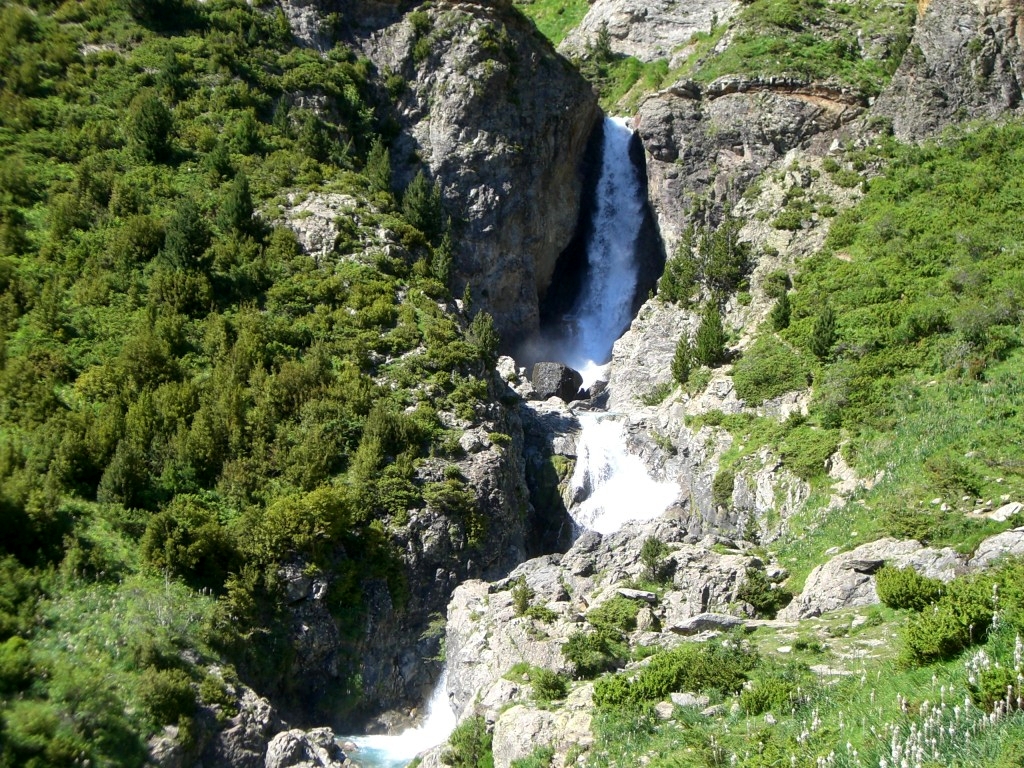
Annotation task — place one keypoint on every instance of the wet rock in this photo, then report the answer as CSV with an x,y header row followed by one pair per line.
x,y
556,380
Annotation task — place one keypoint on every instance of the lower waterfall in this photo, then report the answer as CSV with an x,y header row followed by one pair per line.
x,y
615,485
398,750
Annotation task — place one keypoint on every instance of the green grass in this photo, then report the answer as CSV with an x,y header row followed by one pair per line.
x,y
554,18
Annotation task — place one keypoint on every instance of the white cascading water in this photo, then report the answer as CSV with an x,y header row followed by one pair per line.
x,y
618,487
615,485
603,310
398,750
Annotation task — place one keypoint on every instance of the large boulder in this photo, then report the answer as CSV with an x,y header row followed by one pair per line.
x,y
556,380
1005,544
316,748
847,580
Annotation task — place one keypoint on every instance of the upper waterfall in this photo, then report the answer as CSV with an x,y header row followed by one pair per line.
x,y
603,307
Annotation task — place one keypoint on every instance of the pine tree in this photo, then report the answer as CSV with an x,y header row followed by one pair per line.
x,y
484,337
236,212
682,361
779,316
378,167
441,259
709,348
823,335
421,206
149,127
187,237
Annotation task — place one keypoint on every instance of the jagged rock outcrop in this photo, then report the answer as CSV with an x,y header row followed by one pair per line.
x,y
965,61
706,144
656,29
502,122
485,637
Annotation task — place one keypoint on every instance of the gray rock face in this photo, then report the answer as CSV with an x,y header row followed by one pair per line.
x,y
714,140
846,580
556,380
965,61
520,730
485,638
1005,544
503,122
656,29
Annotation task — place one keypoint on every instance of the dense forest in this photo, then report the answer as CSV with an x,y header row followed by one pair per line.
x,y
188,400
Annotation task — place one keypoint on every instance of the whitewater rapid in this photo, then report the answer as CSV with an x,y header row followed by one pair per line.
x,y
616,483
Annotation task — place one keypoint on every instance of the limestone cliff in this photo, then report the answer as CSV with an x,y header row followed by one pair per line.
x,y
648,31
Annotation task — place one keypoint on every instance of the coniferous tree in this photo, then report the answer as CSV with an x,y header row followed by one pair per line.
x,y
187,237
709,346
779,316
823,335
236,212
149,127
378,167
421,206
484,337
441,259
682,361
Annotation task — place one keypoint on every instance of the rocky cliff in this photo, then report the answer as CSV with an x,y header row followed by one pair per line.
x,y
965,62
502,121
648,31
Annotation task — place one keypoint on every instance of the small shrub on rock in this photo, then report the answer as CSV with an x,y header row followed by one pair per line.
x,y
906,588
547,685
767,598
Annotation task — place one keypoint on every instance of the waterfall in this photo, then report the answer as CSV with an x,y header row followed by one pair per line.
x,y
603,310
615,485
398,750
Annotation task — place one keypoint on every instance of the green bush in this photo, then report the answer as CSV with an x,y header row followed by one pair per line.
x,y
541,757
780,313
615,615
959,618
592,653
469,746
652,557
165,695
769,694
906,588
722,486
690,667
522,596
547,685
15,665
806,449
767,598
768,369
